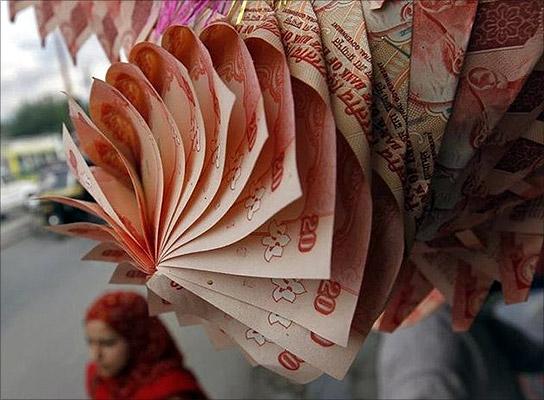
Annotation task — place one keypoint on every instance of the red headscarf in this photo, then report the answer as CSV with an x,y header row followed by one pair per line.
x,y
155,367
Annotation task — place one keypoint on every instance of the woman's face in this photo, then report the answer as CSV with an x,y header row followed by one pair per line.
x,y
107,348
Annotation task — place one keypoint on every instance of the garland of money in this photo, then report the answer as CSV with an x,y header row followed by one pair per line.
x,y
317,169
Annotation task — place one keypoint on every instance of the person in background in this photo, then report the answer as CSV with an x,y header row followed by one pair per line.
x,y
500,357
132,354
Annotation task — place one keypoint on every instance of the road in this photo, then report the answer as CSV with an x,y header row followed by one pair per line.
x,y
16,226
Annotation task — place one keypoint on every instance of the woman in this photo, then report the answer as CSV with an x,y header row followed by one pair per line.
x,y
133,355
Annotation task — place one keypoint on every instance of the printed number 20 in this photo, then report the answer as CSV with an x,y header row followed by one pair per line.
x,y
327,292
308,226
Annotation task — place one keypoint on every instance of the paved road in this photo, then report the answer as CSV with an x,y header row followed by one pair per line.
x,y
16,226
45,291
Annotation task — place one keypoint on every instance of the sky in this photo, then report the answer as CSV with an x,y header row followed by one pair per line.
x,y
29,72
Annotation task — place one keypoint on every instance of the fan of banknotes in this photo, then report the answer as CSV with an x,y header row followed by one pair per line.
x,y
320,169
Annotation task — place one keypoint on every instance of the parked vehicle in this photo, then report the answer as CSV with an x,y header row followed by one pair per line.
x,y
58,181
22,161
15,194
25,157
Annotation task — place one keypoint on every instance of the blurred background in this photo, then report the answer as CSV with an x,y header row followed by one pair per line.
x,y
45,288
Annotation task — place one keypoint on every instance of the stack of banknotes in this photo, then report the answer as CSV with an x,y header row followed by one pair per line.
x,y
320,169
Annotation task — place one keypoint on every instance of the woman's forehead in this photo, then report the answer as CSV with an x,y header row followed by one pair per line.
x,y
96,328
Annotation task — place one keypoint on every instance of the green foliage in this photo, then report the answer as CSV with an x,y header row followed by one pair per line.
x,y
3,128
44,115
